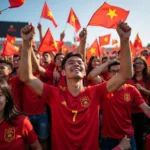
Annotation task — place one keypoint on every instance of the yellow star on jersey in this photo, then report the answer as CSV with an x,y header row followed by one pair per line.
x,y
73,19
111,13
92,50
50,14
106,39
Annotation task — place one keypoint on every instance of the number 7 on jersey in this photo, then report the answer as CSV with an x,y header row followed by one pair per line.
x,y
75,112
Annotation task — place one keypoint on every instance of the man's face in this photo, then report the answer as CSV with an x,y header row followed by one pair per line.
x,y
74,68
145,54
114,70
16,62
5,70
46,58
59,60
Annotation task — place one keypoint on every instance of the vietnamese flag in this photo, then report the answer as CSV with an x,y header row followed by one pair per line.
x,y
114,42
73,20
16,3
10,49
115,49
93,50
48,43
11,39
137,42
104,40
108,16
65,49
47,14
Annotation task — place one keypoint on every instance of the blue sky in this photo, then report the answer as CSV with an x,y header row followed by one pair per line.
x,y
138,18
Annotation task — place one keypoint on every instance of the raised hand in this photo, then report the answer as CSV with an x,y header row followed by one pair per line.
x,y
83,35
39,26
124,31
28,32
62,35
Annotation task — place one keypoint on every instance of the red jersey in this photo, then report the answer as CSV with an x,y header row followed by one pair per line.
x,y
32,103
75,120
105,76
17,90
61,82
147,142
117,112
15,137
136,109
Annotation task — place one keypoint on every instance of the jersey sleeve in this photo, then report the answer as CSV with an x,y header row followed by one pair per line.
x,y
49,93
29,135
137,97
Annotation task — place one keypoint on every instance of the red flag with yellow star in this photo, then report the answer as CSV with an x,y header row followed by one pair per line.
x,y
73,20
65,49
138,42
47,14
10,49
15,3
114,42
108,16
104,40
48,43
93,50
11,39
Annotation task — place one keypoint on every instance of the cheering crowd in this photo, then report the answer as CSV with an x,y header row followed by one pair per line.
x,y
65,102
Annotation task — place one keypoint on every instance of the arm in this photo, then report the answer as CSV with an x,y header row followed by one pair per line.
x,y
146,109
142,89
62,36
40,31
81,49
36,146
124,144
27,34
98,70
125,72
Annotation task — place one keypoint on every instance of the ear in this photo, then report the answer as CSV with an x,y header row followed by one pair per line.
x,y
63,73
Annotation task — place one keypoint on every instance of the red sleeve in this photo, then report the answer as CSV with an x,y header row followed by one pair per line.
x,y
116,148
137,97
28,132
49,93
147,142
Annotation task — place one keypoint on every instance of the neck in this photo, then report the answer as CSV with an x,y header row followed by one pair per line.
x,y
1,116
59,68
139,75
75,86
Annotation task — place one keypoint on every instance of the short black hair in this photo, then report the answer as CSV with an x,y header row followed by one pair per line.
x,y
114,63
70,54
6,62
46,53
104,57
57,55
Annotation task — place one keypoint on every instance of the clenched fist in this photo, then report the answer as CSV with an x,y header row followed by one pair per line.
x,y
124,31
28,32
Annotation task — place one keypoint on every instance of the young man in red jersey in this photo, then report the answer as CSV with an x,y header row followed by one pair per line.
x,y
117,122
75,109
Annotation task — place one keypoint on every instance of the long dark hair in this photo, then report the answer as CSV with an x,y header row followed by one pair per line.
x,y
145,71
10,112
90,68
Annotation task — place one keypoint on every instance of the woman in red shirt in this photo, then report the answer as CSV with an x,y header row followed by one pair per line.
x,y
142,83
16,131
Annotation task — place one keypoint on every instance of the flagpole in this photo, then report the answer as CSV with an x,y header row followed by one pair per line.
x,y
3,10
65,27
